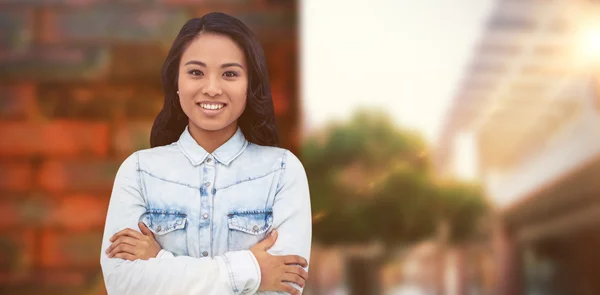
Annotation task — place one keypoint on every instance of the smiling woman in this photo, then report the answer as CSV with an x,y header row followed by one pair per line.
x,y
227,60
213,83
214,207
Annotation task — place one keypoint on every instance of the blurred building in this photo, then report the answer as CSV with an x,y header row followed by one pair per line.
x,y
530,102
79,90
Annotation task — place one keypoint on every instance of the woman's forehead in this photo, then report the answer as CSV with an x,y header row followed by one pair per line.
x,y
213,49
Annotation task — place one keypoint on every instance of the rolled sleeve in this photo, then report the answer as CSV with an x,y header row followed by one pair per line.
x,y
292,213
244,271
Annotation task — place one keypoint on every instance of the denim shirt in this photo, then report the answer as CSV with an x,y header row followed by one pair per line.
x,y
206,211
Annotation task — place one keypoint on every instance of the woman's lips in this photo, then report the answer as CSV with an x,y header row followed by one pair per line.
x,y
211,108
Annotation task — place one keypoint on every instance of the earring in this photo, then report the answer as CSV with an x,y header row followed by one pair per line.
x,y
178,92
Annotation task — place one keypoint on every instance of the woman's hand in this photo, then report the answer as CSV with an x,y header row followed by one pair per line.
x,y
275,270
131,245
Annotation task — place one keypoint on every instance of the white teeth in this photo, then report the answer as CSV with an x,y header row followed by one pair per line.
x,y
211,106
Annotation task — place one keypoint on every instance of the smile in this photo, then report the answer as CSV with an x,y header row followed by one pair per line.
x,y
211,106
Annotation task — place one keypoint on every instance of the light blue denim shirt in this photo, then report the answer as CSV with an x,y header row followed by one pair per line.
x,y
206,210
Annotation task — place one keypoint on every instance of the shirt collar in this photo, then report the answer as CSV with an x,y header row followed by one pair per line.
x,y
225,154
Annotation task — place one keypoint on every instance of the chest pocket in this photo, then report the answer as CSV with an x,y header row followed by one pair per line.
x,y
169,229
248,228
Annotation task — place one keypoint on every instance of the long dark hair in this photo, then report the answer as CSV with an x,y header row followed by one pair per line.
x,y
258,119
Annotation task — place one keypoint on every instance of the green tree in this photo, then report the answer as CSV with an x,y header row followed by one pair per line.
x,y
371,180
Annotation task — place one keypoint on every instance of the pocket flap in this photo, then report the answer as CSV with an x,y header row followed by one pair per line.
x,y
161,222
251,222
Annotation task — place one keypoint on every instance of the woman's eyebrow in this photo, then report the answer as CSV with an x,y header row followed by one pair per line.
x,y
227,65
195,62
231,64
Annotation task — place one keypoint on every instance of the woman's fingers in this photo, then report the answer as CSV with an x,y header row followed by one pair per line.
x,y
122,240
145,230
294,278
126,256
122,248
127,232
295,259
288,289
297,270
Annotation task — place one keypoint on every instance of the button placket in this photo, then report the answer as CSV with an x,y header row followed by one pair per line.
x,y
205,230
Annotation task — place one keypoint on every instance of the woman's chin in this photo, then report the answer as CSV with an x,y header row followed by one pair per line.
x,y
211,126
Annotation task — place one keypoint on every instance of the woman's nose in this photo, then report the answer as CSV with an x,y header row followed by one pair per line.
x,y
212,87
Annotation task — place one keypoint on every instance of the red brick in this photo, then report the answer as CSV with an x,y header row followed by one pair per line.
x,y
9,215
280,99
53,2
84,3
70,249
100,24
137,61
101,101
23,212
17,101
54,63
17,253
267,22
204,2
58,138
16,27
77,176
16,176
61,278
145,105
46,278
273,22
72,101
57,213
282,66
67,213
131,137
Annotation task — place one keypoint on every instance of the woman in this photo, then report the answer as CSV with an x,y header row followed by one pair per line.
x,y
197,212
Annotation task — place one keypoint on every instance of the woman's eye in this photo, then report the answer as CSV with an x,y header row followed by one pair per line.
x,y
196,73
230,74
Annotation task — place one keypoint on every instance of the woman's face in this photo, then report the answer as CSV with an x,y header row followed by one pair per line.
x,y
213,79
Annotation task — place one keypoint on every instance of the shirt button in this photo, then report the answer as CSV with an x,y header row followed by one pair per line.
x,y
205,215
208,160
159,228
205,253
255,228
207,184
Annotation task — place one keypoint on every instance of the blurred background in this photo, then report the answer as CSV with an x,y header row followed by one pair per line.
x,y
452,147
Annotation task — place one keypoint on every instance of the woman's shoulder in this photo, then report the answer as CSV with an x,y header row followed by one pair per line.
x,y
276,155
162,151
158,157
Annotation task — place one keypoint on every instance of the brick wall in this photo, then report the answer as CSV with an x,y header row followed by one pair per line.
x,y
79,89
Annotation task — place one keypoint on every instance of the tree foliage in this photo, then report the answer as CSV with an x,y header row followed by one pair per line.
x,y
371,180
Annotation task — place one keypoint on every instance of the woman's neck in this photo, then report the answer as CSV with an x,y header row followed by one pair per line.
x,y
211,140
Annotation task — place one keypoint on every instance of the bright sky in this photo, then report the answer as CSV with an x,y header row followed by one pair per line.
x,y
404,56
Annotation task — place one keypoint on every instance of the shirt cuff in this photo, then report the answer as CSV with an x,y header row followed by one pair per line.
x,y
164,254
244,271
